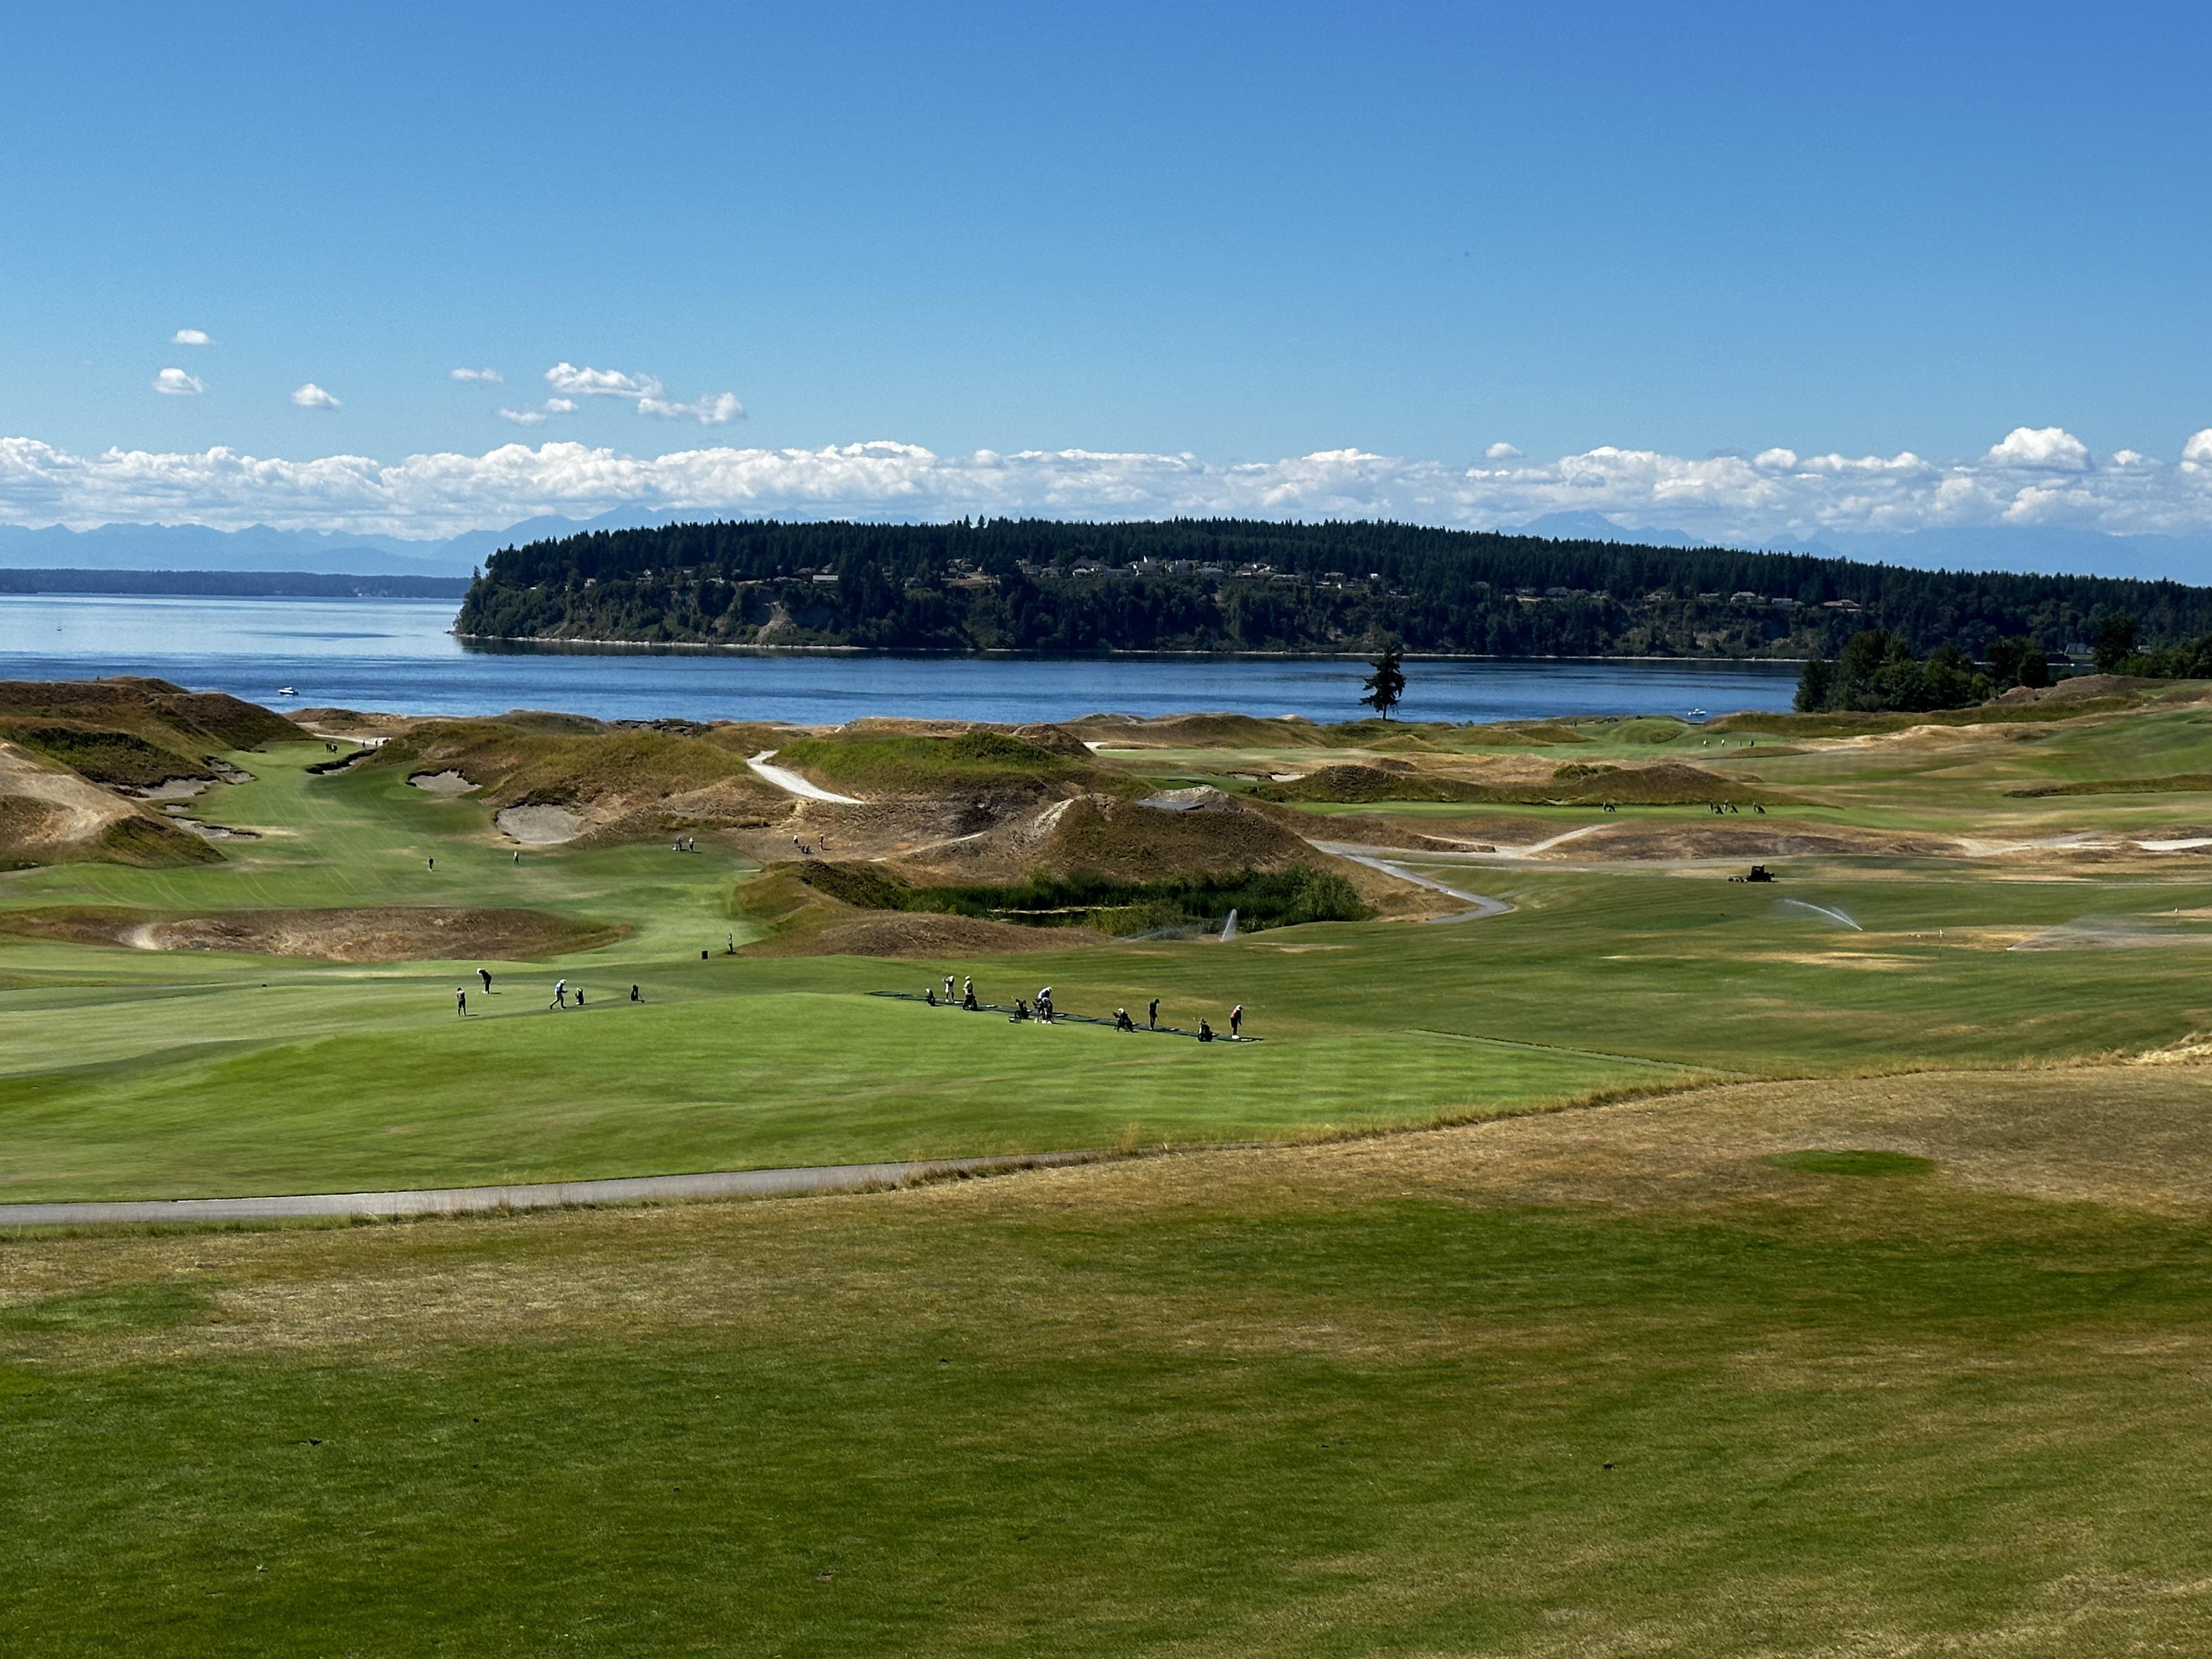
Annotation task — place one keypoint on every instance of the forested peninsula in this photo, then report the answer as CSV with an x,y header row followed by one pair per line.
x,y
1231,585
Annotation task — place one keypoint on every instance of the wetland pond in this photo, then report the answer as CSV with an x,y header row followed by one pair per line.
x,y
397,656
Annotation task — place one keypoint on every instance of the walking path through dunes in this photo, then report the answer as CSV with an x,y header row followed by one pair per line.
x,y
1928,1346
1479,905
537,1195
784,778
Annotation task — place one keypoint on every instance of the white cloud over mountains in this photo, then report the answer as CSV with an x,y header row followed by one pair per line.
x,y
2041,476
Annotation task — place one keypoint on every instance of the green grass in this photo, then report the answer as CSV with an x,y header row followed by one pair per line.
x,y
1554,1388
137,1073
1904,1365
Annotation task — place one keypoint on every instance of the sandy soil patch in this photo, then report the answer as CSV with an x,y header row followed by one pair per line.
x,y
372,933
539,826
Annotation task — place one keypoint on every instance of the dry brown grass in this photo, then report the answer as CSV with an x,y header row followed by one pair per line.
x,y
2121,1139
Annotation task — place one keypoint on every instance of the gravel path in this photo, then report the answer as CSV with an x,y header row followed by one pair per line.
x,y
784,778
542,1196
1481,904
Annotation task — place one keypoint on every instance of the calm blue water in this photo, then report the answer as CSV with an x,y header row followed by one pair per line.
x,y
395,655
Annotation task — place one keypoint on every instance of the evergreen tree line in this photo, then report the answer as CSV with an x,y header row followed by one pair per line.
x,y
1876,671
1234,585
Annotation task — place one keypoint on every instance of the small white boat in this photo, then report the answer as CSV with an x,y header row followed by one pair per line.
x,y
286,691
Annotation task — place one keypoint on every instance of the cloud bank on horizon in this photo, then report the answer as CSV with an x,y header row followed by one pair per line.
x,y
2042,477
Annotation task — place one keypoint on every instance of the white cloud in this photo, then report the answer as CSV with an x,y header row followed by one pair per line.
x,y
1501,452
489,376
602,382
560,405
311,396
646,389
191,337
522,416
717,410
1723,498
175,383
2051,446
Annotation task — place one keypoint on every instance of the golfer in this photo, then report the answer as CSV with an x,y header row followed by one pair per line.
x,y
560,994
1153,1016
1235,1019
485,974
461,1000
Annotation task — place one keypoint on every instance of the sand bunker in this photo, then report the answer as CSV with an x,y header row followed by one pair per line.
x,y
539,826
375,933
444,783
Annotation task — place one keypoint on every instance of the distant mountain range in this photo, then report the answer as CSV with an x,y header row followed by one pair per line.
x,y
2030,551
194,547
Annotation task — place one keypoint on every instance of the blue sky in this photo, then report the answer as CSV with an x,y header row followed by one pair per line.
x,y
1247,233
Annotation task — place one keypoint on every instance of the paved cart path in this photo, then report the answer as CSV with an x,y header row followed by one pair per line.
x,y
537,1195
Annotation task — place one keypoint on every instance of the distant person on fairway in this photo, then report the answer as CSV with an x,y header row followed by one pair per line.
x,y
1235,1019
968,997
433,863
461,1000
948,988
636,995
1153,1016
1123,1022
485,974
560,994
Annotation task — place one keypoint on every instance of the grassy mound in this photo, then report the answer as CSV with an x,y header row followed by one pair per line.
x,y
118,759
1198,732
634,781
1668,783
1355,785
978,762
165,716
1127,841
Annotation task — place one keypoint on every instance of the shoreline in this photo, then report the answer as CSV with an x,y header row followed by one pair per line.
x,y
554,644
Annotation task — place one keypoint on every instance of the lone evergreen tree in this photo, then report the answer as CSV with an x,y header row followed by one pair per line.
x,y
1382,689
